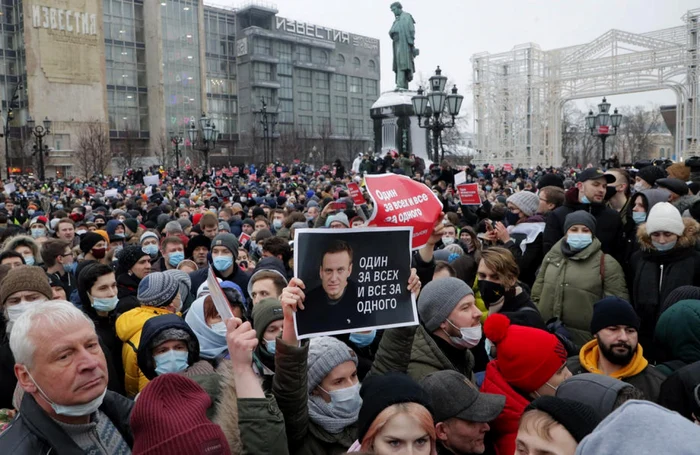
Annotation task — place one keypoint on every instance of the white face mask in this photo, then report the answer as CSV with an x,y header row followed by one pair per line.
x,y
15,311
448,240
470,336
639,186
77,410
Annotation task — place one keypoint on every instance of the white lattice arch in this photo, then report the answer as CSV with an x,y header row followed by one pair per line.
x,y
519,95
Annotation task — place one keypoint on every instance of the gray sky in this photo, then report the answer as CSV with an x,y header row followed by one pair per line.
x,y
449,32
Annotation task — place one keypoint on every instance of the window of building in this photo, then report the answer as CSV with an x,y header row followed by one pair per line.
x,y
372,65
304,54
306,124
261,46
341,105
323,103
284,68
356,63
356,126
341,126
663,152
262,71
284,51
356,106
340,61
323,126
286,114
321,80
285,90
355,84
304,78
305,101
320,57
371,87
341,83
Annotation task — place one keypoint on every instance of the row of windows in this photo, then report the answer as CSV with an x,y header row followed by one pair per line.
x,y
356,63
357,105
339,126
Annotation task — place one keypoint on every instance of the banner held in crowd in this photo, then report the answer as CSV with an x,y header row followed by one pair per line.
x,y
469,194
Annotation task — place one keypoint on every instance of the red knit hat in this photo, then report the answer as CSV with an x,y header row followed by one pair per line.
x,y
196,217
526,357
170,416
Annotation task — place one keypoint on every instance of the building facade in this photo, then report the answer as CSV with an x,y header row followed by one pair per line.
x,y
139,72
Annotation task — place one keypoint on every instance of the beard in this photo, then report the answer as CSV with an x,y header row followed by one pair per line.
x,y
617,356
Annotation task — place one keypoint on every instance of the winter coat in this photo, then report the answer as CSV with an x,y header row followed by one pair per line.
x,y
677,333
658,273
8,380
33,432
608,224
127,291
129,326
505,427
290,388
567,287
678,390
526,246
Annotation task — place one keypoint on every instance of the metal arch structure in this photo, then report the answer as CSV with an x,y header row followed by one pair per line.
x,y
519,95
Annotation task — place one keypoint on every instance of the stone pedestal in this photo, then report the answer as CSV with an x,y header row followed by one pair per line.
x,y
396,126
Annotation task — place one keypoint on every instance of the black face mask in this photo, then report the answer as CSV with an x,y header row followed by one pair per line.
x,y
491,292
610,191
512,218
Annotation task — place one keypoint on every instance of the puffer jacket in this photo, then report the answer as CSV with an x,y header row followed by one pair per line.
x,y
658,273
567,287
129,326
290,388
505,427
677,333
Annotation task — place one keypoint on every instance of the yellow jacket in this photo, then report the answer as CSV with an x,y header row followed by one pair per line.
x,y
129,326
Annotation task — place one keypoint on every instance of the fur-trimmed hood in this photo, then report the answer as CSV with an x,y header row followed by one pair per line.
x,y
20,240
690,236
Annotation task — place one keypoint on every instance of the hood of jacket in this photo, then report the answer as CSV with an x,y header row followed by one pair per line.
x,y
678,331
131,322
154,327
588,356
685,202
596,390
17,240
686,240
647,428
652,197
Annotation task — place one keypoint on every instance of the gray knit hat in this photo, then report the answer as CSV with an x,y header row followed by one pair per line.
x,y
526,201
149,234
326,353
224,226
580,217
183,280
438,298
227,240
184,223
158,289
173,227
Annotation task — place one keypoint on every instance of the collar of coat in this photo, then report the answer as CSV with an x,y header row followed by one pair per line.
x,y
589,360
690,236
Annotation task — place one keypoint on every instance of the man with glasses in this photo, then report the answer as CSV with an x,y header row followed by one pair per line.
x,y
551,197
58,260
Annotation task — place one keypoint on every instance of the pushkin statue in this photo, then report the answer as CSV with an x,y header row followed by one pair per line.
x,y
403,34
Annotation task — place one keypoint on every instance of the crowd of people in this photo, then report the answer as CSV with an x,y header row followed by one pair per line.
x,y
561,315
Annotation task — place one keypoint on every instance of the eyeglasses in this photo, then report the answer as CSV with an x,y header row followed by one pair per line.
x,y
67,254
544,200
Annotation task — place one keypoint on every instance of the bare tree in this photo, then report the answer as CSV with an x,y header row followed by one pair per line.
x,y
93,154
351,142
636,133
162,150
324,132
126,149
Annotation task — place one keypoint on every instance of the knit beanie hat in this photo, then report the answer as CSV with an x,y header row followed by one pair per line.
x,y
128,257
527,357
184,223
103,234
613,311
579,419
224,226
173,227
89,241
183,280
438,298
148,234
380,392
226,240
264,313
131,224
679,171
651,174
326,353
526,201
580,217
550,179
339,217
664,217
680,293
25,278
157,289
263,234
170,417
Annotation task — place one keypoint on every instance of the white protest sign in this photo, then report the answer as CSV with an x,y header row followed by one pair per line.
x,y
151,180
460,177
10,188
111,193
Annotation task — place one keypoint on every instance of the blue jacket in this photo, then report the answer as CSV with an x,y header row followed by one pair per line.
x,y
154,327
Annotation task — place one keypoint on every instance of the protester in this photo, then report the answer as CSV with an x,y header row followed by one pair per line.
x,y
677,336
267,281
133,265
224,249
267,322
551,197
26,246
57,257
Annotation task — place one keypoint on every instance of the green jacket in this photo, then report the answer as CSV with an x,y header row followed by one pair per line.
x,y
567,288
290,388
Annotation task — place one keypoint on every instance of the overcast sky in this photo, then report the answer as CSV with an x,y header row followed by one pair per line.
x,y
449,32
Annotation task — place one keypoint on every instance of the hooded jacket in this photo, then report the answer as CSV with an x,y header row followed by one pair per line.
x,y
631,245
129,326
154,327
568,287
17,240
678,391
596,390
658,273
677,333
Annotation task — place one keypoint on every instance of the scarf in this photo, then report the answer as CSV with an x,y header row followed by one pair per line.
x,y
211,344
589,360
331,420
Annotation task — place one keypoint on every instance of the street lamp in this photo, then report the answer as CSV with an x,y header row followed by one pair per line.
x,y
268,120
39,133
177,141
432,107
600,124
13,103
206,139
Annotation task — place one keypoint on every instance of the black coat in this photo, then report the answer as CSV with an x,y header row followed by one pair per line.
x,y
127,291
33,432
8,380
677,392
530,261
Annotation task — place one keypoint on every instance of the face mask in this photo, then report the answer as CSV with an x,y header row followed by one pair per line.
x,y
362,340
176,258
244,200
347,400
448,240
68,267
30,212
29,260
15,311
490,349
59,207
585,200
151,250
665,247
171,361
639,217
512,218
639,186
271,346
222,263
78,410
219,328
277,224
99,253
491,292
117,249
470,336
36,233
579,241
106,304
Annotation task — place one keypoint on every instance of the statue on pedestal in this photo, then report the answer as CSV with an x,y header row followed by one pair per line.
x,y
403,34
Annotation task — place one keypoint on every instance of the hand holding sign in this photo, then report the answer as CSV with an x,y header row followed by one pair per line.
x,y
241,341
292,299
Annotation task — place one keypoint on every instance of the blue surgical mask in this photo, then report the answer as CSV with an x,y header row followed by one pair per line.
x,y
665,247
362,340
59,206
347,400
171,361
277,224
490,349
222,263
36,233
68,267
488,187
151,250
78,410
579,241
585,200
639,217
219,328
29,260
106,304
271,346
176,258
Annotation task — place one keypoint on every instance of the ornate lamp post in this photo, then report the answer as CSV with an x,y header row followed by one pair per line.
x,y
12,103
600,124
206,139
177,141
432,107
39,133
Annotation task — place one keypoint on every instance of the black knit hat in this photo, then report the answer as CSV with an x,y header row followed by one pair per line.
x,y
580,217
550,179
678,294
613,311
132,224
651,174
128,257
195,242
89,241
380,392
579,419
